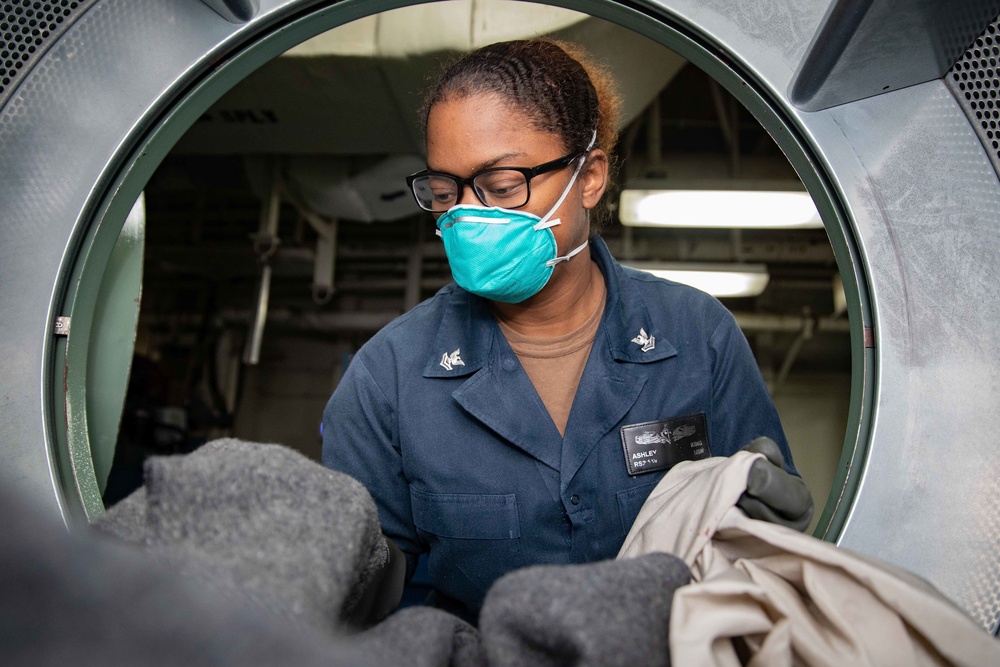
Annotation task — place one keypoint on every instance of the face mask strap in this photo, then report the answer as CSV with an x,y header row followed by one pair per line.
x,y
568,256
545,223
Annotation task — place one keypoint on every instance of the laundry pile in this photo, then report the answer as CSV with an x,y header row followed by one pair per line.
x,y
74,598
766,595
249,554
261,522
264,523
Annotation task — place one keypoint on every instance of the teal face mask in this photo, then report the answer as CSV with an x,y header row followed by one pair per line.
x,y
501,254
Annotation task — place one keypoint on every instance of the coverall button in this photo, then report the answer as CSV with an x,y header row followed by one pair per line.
x,y
509,364
575,499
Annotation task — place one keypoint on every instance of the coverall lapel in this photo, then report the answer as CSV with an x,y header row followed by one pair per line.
x,y
502,397
497,392
627,344
606,393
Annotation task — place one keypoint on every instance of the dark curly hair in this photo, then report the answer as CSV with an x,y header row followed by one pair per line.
x,y
555,84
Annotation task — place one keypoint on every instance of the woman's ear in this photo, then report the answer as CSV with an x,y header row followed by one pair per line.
x,y
594,178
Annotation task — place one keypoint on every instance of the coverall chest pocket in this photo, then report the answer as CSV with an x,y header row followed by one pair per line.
x,y
630,501
476,534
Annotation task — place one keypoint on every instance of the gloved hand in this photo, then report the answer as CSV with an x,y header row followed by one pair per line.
x,y
382,592
773,494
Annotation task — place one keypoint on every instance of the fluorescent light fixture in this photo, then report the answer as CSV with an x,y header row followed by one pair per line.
x,y
721,207
720,280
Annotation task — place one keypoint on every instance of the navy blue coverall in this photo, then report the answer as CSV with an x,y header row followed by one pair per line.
x,y
437,418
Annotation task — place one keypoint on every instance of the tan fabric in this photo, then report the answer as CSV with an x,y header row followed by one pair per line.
x,y
555,365
793,599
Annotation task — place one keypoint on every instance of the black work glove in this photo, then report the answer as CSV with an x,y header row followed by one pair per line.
x,y
773,494
383,590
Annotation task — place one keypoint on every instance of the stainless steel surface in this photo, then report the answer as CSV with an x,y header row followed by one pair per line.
x,y
59,132
921,197
927,204
866,47
924,203
237,11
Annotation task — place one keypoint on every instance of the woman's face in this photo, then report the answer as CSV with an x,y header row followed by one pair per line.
x,y
467,135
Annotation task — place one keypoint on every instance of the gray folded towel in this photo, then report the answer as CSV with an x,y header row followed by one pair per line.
x,y
263,523
607,614
260,522
68,599
421,637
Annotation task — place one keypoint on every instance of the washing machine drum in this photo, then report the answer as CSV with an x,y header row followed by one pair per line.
x,y
891,129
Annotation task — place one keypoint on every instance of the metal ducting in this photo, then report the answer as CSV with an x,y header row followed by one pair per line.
x,y
91,103
353,90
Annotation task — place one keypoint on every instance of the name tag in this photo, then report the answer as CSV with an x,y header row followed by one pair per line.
x,y
659,445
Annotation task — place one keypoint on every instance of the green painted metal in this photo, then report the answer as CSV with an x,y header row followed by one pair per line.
x,y
130,171
116,315
102,302
137,165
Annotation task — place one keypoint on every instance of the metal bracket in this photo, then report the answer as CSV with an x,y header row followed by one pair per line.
x,y
869,337
62,326
326,256
326,252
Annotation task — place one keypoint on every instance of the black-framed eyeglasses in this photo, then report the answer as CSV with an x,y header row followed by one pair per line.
x,y
506,187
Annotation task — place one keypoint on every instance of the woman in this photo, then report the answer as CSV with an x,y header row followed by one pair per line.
x,y
522,415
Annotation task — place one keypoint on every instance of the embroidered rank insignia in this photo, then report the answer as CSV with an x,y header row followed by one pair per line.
x,y
449,361
645,340
659,445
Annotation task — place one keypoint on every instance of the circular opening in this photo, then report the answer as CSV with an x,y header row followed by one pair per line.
x,y
729,95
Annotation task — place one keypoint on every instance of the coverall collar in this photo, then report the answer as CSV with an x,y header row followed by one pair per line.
x,y
626,318
468,326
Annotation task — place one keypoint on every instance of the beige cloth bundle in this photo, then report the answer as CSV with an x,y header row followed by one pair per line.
x,y
767,595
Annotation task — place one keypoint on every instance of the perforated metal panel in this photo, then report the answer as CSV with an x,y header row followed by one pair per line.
x,y
27,29
975,81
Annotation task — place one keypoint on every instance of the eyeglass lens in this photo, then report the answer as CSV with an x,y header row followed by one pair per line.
x,y
503,187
